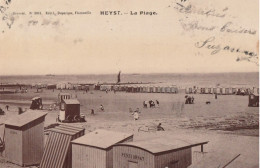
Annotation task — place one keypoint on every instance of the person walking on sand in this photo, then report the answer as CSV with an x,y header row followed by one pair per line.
x,y
216,96
92,112
102,107
157,102
7,107
136,115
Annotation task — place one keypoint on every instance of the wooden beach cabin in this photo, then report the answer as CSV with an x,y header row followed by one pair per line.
x,y
253,100
218,90
202,90
155,153
162,89
234,90
58,151
227,91
69,110
63,96
24,138
206,90
222,91
154,89
95,149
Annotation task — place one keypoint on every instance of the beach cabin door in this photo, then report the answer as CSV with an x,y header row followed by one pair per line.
x,y
132,165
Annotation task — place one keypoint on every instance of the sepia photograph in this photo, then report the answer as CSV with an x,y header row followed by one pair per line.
x,y
129,84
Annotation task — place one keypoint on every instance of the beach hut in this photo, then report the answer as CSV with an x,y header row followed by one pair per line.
x,y
167,89
157,89
24,138
63,96
102,87
208,90
253,100
95,149
138,89
234,90
58,150
69,86
150,89
36,103
202,90
61,86
218,91
226,91
154,89
129,89
124,88
141,89
97,87
69,110
134,90
162,89
51,86
222,91
145,89
187,90
173,89
155,153
255,90
230,91
214,90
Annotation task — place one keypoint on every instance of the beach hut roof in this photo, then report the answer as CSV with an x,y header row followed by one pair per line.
x,y
71,101
102,138
159,145
25,118
35,98
64,93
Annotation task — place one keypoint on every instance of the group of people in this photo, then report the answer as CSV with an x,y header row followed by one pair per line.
x,y
151,104
189,99
101,107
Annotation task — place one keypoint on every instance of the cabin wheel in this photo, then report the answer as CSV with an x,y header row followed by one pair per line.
x,y
76,118
69,118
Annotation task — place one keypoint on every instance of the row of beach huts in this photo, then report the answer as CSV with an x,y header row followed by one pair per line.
x,y
222,90
140,88
68,146
144,88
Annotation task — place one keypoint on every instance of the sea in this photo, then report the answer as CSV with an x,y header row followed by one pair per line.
x,y
180,79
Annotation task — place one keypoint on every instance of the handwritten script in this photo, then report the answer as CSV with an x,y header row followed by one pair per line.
x,y
196,19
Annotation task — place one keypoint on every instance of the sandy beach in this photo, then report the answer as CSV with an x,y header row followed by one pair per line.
x,y
230,126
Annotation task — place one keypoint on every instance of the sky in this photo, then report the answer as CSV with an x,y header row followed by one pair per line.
x,y
96,44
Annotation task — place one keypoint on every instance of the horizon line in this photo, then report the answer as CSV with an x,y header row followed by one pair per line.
x,y
134,73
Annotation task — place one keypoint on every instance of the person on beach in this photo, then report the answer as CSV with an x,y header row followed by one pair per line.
x,y
137,110
92,112
136,115
157,102
145,104
159,127
102,107
130,110
216,96
7,107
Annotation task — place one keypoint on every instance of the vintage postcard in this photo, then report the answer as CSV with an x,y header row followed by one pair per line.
x,y
129,84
